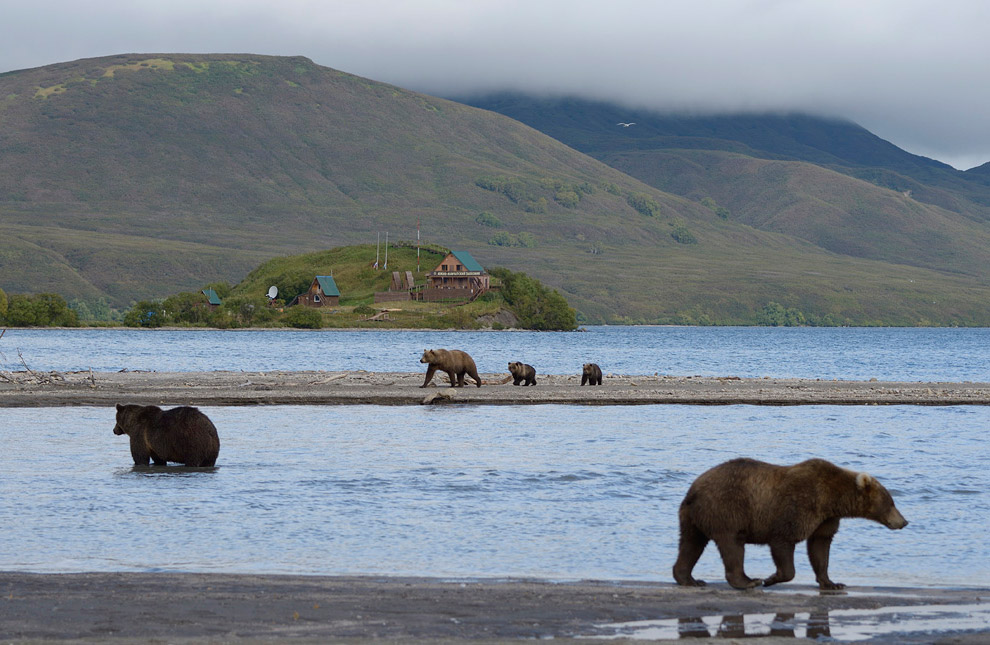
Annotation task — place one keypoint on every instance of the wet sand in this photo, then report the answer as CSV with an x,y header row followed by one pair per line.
x,y
176,607
34,389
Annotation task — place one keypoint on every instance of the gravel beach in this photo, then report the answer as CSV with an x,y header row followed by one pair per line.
x,y
42,389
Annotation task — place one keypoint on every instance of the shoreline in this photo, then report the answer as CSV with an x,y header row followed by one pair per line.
x,y
247,608
54,389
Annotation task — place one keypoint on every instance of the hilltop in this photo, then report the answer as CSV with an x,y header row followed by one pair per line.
x,y
140,175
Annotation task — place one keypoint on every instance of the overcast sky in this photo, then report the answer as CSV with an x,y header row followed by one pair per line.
x,y
913,72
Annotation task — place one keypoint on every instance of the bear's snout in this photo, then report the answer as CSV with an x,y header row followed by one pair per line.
x,y
117,429
895,520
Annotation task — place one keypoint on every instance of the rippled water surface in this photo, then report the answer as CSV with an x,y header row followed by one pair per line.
x,y
907,354
559,492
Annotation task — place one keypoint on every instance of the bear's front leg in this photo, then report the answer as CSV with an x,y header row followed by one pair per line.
x,y
139,451
819,547
430,371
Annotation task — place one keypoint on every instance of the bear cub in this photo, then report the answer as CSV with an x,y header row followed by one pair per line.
x,y
591,374
452,361
522,373
745,501
183,435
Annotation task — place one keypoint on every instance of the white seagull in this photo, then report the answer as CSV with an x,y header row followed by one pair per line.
x,y
625,125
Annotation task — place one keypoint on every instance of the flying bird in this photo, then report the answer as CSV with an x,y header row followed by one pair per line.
x,y
625,125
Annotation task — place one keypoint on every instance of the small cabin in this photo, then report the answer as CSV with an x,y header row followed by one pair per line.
x,y
212,299
323,292
458,271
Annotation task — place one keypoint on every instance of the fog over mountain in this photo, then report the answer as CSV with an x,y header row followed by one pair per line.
x,y
910,71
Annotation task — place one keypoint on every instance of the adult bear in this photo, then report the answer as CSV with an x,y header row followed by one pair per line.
x,y
591,374
183,435
745,501
453,361
522,373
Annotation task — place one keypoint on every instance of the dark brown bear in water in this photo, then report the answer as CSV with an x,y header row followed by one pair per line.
x,y
452,361
745,501
591,374
183,435
522,373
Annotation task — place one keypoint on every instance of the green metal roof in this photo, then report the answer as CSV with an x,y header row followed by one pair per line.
x,y
470,264
328,285
212,296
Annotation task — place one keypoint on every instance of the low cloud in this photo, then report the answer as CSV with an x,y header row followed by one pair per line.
x,y
910,71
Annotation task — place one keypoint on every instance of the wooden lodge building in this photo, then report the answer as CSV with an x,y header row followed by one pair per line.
x,y
322,292
457,277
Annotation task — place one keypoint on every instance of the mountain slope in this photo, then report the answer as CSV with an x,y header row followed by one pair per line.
x,y
143,175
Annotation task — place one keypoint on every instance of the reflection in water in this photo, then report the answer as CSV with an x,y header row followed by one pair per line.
x,y
788,625
842,624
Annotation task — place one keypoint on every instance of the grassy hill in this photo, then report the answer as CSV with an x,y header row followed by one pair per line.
x,y
138,176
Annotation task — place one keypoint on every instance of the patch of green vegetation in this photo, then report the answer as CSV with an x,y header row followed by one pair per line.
x,y
682,235
524,239
644,204
39,310
487,219
714,207
536,306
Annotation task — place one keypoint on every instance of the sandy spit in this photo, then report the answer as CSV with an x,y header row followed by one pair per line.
x,y
34,389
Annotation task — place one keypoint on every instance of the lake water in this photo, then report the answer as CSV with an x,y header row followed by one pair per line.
x,y
904,354
556,492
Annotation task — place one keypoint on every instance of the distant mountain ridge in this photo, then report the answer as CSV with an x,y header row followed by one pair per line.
x,y
140,175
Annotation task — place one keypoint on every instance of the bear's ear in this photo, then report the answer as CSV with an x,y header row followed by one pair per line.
x,y
863,480
119,407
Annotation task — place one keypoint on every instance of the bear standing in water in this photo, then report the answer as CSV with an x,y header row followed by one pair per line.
x,y
745,501
591,374
453,361
183,435
522,373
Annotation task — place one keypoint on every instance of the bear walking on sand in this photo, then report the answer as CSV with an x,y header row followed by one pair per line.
x,y
522,373
183,435
745,501
453,361
591,374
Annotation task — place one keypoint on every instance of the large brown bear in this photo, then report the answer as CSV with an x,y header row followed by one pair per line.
x,y
745,501
453,361
183,435
591,374
522,373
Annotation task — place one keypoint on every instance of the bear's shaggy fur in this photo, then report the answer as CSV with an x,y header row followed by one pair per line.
x,y
745,501
522,373
452,361
591,374
183,435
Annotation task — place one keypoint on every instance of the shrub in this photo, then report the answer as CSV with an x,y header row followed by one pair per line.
x,y
40,310
364,310
146,313
303,318
487,219
644,204
682,235
535,305
3,304
775,314
567,198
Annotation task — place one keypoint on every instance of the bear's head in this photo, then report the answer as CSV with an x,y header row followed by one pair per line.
x,y
877,504
588,367
126,418
430,356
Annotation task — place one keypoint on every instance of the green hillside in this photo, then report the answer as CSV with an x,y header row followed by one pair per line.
x,y
138,176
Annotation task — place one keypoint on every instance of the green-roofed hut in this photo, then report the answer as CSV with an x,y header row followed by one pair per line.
x,y
323,292
458,276
212,298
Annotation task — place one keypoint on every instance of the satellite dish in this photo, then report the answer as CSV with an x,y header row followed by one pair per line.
x,y
272,292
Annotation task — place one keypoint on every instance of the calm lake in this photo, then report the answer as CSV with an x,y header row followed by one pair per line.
x,y
556,492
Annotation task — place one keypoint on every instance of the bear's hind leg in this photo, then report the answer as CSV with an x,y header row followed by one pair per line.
x,y
692,545
783,558
733,550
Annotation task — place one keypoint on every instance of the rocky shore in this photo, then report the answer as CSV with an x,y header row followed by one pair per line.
x,y
34,389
